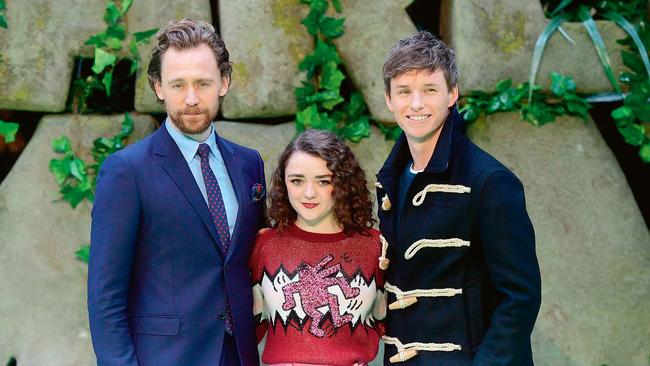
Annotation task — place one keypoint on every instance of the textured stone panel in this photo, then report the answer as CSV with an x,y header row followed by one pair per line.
x,y
266,43
495,40
38,50
43,287
592,242
147,14
371,29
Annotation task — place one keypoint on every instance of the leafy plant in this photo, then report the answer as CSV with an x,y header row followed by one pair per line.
x,y
77,178
8,130
319,100
3,20
108,51
633,117
542,108
561,11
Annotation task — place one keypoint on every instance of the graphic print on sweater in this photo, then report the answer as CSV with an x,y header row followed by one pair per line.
x,y
315,290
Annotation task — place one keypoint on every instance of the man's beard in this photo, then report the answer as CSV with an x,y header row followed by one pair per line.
x,y
201,120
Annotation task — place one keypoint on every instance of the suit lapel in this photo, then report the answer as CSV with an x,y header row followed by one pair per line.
x,y
175,166
239,183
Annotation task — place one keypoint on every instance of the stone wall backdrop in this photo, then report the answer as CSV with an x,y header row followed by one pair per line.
x,y
592,242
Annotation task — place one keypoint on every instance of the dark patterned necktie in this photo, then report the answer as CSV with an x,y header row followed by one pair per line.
x,y
218,211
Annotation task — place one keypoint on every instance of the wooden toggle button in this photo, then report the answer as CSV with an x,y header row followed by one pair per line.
x,y
403,302
403,356
383,263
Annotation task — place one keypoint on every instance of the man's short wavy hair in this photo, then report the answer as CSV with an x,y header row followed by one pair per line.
x,y
352,200
183,34
421,51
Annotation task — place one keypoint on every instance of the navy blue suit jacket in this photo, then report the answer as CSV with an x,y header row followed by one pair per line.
x,y
492,267
157,278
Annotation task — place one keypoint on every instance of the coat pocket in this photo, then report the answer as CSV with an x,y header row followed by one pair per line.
x,y
155,325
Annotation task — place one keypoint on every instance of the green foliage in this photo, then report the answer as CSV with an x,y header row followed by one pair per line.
x,y
542,108
633,117
8,130
319,101
109,46
3,20
560,11
83,253
77,178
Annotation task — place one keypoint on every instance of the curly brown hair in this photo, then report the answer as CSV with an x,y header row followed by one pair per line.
x,y
352,200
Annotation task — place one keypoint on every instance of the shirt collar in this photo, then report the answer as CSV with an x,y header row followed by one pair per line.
x,y
188,146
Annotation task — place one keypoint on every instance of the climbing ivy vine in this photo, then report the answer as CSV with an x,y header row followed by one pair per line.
x,y
109,46
540,109
320,103
77,178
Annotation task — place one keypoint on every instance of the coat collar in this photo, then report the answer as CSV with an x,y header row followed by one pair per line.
x,y
439,162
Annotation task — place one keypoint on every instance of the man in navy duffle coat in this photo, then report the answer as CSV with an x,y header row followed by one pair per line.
x,y
463,280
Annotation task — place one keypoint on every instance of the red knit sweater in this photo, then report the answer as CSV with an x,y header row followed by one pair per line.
x,y
322,295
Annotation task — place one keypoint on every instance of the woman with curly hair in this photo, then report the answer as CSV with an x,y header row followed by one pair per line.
x,y
318,289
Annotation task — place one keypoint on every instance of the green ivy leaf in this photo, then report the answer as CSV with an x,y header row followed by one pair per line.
x,y
644,153
61,145
78,169
357,130
113,43
117,31
98,40
103,59
337,5
503,85
112,13
107,80
60,168
623,113
355,107
126,4
308,117
3,22
390,132
322,54
331,76
8,130
470,112
83,253
332,27
144,37
633,133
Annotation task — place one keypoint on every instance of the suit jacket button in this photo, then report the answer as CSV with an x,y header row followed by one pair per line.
x,y
222,315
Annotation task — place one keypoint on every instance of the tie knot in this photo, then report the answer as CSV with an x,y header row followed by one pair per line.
x,y
204,151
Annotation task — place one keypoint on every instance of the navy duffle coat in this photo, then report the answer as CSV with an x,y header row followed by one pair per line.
x,y
463,275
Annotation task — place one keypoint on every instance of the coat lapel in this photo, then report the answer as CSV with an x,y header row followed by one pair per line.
x,y
176,167
239,183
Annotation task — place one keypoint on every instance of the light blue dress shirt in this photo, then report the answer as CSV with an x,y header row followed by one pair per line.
x,y
189,148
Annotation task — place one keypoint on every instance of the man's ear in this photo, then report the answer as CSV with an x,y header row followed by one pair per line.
x,y
158,87
388,101
453,96
225,86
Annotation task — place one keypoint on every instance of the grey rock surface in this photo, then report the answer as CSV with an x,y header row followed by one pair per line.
x,y
38,50
502,35
43,287
371,29
266,43
592,242
147,14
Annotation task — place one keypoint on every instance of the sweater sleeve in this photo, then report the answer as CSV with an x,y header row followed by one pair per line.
x,y
257,271
380,305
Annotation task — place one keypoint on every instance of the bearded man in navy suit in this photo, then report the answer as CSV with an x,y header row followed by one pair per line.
x,y
174,221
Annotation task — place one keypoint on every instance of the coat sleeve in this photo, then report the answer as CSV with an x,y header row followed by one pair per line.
x,y
257,270
509,248
114,231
